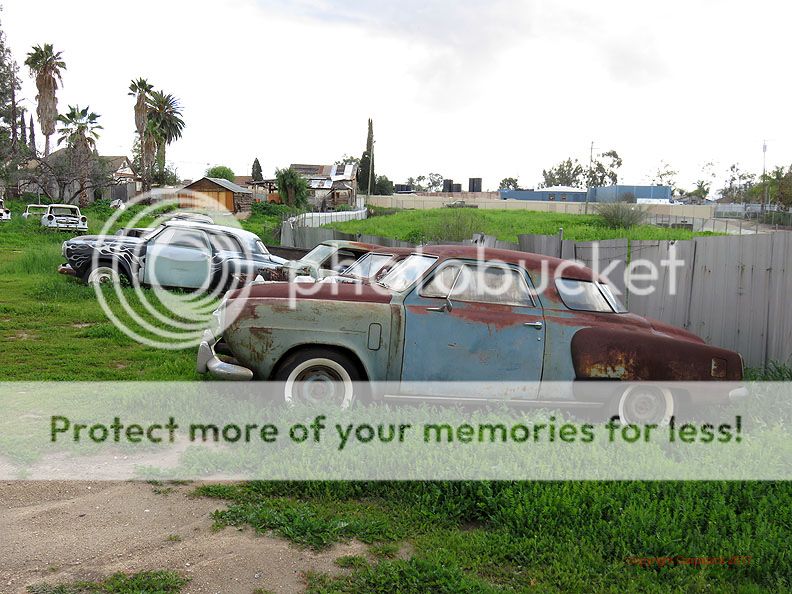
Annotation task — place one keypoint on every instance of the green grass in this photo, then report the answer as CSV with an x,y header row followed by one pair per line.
x,y
548,536
457,224
149,582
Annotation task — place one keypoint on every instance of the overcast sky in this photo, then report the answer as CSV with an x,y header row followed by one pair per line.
x,y
460,87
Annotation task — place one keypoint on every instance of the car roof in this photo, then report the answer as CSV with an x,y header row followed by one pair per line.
x,y
38,205
61,205
241,233
529,260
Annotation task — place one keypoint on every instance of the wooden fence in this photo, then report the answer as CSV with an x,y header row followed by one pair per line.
x,y
734,292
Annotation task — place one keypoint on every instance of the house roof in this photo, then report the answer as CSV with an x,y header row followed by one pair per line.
x,y
224,183
116,162
243,180
342,172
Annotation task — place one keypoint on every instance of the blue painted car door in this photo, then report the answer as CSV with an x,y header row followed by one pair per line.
x,y
484,337
178,258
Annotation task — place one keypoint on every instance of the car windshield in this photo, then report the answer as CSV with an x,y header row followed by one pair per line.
x,y
588,296
319,254
61,211
407,272
368,266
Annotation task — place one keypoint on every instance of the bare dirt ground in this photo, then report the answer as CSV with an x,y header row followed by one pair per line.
x,y
61,531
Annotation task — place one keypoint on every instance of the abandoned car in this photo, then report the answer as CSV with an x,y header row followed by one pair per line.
x,y
326,259
34,211
5,214
64,217
466,315
367,269
178,254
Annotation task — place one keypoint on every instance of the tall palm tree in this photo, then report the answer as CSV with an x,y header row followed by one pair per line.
x,y
46,66
141,89
165,113
79,130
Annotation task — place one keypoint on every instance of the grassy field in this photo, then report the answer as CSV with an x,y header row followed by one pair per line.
x,y
439,537
457,224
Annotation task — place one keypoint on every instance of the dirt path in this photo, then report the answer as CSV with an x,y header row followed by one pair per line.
x,y
58,532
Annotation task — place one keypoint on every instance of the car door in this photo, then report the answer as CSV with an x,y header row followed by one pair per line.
x,y
478,325
178,257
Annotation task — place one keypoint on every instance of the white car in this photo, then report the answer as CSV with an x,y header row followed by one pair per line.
x,y
35,211
64,216
5,214
118,204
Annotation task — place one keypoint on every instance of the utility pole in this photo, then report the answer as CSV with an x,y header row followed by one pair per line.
x,y
591,167
764,174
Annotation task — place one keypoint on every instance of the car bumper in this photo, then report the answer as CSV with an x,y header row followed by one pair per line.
x,y
67,269
208,362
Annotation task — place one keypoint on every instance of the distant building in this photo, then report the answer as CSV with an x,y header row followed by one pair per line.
x,y
617,193
227,194
330,186
551,194
625,193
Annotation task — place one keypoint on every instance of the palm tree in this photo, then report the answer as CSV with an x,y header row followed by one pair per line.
x,y
141,89
79,130
165,113
46,66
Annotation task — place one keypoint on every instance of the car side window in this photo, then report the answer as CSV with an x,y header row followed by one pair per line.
x,y
186,238
486,283
224,243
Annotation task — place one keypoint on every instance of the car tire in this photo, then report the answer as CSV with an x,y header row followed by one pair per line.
x,y
320,376
645,405
104,275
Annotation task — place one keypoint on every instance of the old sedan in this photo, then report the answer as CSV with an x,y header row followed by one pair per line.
x,y
64,217
467,315
329,258
180,254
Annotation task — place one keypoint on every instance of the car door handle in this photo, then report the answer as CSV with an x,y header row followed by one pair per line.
x,y
537,325
439,308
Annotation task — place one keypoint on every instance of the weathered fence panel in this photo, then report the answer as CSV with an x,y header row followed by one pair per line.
x,y
670,301
608,255
730,295
779,312
548,245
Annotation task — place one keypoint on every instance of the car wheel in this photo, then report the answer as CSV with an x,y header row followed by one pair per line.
x,y
645,405
319,376
103,275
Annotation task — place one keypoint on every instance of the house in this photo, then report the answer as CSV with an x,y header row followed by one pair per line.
x,y
330,186
227,194
109,177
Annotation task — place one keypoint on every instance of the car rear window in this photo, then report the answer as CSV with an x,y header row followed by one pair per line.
x,y
588,296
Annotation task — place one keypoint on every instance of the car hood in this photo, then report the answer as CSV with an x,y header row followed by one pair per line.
x,y
107,240
322,291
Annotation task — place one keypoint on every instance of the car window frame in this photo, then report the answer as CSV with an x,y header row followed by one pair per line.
x,y
611,310
521,272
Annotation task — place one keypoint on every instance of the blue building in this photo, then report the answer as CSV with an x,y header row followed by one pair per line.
x,y
551,194
617,193
624,193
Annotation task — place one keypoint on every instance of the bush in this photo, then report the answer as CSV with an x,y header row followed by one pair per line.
x,y
271,209
621,215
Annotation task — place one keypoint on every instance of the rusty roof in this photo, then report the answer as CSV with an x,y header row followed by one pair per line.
x,y
529,260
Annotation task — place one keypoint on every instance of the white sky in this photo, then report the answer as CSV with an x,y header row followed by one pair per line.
x,y
464,88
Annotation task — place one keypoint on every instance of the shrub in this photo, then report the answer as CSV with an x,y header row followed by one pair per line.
x,y
621,215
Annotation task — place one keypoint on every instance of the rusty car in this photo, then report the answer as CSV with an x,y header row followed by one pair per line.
x,y
439,316
329,258
369,267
